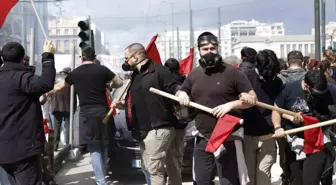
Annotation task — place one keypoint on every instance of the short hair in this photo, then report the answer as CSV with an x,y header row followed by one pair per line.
x,y
248,54
13,52
137,47
316,79
88,53
295,57
172,64
207,36
283,64
267,64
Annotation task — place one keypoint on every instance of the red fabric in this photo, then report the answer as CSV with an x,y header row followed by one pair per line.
x,y
313,138
223,129
45,126
235,65
108,99
186,64
129,109
152,51
5,8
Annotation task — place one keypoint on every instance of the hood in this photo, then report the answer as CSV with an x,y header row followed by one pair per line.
x,y
289,75
246,65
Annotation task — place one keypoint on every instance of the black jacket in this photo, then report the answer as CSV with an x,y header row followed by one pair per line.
x,y
21,126
245,65
146,110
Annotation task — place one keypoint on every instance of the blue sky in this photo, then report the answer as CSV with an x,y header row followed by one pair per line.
x,y
127,21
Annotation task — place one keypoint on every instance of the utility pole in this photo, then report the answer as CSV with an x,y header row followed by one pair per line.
x,y
32,47
191,29
178,44
317,30
219,32
323,24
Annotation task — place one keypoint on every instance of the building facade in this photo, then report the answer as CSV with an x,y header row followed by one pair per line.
x,y
281,45
179,48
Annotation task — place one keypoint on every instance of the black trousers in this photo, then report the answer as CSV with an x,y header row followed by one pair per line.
x,y
307,171
205,163
25,172
59,117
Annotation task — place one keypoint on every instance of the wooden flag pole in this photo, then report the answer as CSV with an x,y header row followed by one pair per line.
x,y
108,115
191,104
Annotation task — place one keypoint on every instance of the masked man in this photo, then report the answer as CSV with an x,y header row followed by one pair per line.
x,y
217,85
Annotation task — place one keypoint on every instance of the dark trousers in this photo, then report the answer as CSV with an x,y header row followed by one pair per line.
x,y
25,172
59,117
204,164
307,171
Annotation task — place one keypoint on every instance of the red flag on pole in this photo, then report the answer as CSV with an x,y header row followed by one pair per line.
x,y
313,138
223,129
187,63
152,51
5,8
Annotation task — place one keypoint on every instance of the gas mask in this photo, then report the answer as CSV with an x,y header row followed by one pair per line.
x,y
210,60
127,67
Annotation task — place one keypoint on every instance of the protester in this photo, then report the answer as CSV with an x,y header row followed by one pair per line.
x,y
283,64
311,96
21,134
60,104
261,155
151,117
248,56
295,70
217,85
90,81
184,116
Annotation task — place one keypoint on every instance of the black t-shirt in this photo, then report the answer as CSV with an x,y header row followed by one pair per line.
x,y
293,98
258,120
213,89
90,84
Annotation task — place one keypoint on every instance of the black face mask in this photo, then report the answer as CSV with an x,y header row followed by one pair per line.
x,y
210,60
126,67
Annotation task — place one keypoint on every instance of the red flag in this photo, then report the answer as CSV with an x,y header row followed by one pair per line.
x,y
152,51
313,138
235,64
5,8
223,129
187,63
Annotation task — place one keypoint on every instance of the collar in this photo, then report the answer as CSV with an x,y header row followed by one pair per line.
x,y
11,66
148,67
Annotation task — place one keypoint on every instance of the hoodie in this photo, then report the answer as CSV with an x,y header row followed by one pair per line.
x,y
291,74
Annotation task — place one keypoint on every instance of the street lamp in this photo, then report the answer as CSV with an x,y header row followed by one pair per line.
x,y
172,7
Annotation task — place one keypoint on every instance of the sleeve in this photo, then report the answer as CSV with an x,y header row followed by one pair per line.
x,y
168,82
187,85
70,78
280,100
241,82
109,74
33,84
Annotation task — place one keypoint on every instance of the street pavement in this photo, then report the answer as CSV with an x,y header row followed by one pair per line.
x,y
81,173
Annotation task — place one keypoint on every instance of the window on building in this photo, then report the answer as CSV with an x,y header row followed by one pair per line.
x,y
58,45
74,31
226,54
49,32
66,51
300,48
58,32
287,48
66,44
279,27
252,33
306,49
279,32
312,48
66,31
294,47
282,50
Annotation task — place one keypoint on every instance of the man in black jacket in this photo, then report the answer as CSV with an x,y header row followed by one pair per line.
x,y
21,128
150,117
248,57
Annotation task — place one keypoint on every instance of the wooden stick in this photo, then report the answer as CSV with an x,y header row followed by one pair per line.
x,y
301,129
271,107
108,115
191,104
111,98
